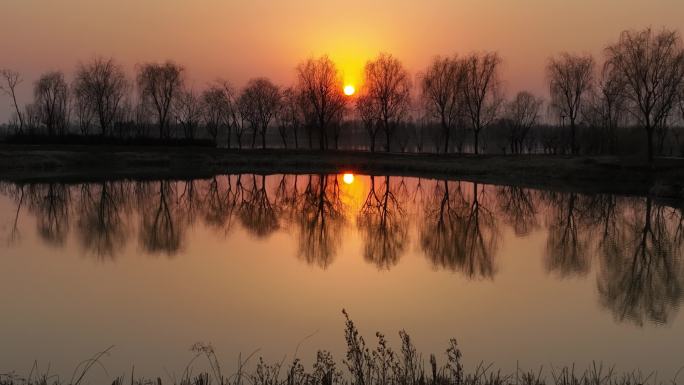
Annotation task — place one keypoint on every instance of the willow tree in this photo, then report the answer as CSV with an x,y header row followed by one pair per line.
x,y
570,80
101,84
260,100
51,95
651,66
320,84
386,97
160,85
521,113
481,92
440,86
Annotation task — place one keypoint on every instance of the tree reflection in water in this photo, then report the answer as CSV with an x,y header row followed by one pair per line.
x,y
636,243
460,232
383,225
161,229
568,243
320,220
641,275
257,215
101,226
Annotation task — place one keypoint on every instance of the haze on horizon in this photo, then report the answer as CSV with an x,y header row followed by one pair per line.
x,y
239,39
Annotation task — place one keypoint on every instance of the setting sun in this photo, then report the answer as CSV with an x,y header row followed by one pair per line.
x,y
349,91
348,178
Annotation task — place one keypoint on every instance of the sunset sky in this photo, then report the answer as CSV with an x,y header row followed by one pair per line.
x,y
239,39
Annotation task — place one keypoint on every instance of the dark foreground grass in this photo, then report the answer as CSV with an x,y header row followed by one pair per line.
x,y
363,365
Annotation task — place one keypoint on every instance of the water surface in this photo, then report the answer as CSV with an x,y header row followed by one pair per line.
x,y
251,262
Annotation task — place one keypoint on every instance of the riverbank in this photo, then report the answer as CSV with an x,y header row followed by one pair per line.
x,y
73,163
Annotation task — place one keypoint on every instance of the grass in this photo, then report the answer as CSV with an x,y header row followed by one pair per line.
x,y
363,365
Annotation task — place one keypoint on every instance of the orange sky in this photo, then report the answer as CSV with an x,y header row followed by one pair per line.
x,y
238,39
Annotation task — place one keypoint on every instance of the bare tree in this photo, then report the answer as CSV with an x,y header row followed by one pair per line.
x,y
188,111
260,100
9,80
386,95
83,108
440,85
320,83
652,67
290,115
160,85
51,94
368,110
102,84
607,105
521,115
216,110
481,92
570,80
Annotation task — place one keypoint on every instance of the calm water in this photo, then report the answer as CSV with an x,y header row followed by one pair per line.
x,y
252,261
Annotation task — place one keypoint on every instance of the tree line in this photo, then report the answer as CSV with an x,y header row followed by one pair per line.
x,y
456,102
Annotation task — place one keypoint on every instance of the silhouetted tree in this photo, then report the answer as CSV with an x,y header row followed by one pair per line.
x,y
217,110
441,84
481,92
259,104
368,109
101,82
83,108
188,111
521,115
51,95
9,80
321,85
607,106
386,95
160,85
290,115
570,80
651,65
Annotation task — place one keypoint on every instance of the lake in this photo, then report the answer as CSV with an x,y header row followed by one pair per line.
x,y
518,276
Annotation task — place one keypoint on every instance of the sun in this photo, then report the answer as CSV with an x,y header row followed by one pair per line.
x,y
348,178
349,90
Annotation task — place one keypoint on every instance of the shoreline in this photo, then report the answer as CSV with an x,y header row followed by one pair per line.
x,y
591,174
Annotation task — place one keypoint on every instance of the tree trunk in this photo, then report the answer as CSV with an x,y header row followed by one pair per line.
x,y
476,134
573,145
649,132
387,136
295,138
445,128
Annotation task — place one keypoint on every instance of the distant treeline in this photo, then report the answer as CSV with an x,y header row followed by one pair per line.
x,y
632,101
